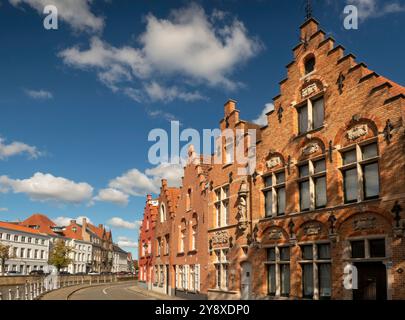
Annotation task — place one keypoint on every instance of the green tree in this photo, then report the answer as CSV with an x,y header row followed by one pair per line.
x,y
4,256
60,255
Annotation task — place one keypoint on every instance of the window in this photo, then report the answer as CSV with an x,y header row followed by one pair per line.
x,y
158,246
162,276
42,254
278,271
194,233
311,115
309,65
22,239
221,269
8,236
167,244
162,212
36,254
222,206
192,279
312,185
36,240
15,238
368,248
182,236
274,194
29,239
360,173
188,200
22,251
316,269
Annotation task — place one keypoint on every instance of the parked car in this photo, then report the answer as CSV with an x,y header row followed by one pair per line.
x,y
63,273
80,273
94,273
13,273
106,273
37,273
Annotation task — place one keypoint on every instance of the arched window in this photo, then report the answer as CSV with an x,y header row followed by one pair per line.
x,y
188,199
182,239
309,64
194,230
162,212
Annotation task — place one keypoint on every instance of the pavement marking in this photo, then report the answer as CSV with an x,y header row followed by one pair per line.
x,y
105,292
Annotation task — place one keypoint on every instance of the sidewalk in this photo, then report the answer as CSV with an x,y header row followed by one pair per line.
x,y
152,294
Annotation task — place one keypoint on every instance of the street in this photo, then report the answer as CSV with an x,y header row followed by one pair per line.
x,y
119,291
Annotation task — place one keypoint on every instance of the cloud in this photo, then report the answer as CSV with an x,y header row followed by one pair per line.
x,y
188,47
112,195
372,9
46,187
65,221
17,148
76,13
162,114
121,223
125,242
261,120
3,209
137,183
39,94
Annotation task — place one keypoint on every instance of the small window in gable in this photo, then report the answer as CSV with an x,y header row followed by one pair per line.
x,y
309,64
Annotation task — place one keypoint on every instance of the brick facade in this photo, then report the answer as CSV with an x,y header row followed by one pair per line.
x,y
326,194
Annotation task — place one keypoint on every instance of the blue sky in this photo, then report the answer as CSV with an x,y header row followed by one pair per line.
x,y
77,103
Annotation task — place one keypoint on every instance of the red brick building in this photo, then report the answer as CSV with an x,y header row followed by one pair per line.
x,y
163,273
146,238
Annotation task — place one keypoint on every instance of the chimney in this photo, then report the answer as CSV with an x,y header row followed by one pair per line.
x,y
229,107
164,183
149,197
100,226
72,221
84,227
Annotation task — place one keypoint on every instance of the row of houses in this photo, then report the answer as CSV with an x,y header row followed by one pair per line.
x,y
320,216
31,241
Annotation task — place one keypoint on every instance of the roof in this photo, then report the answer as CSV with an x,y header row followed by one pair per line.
x,y
70,233
44,224
118,249
98,231
17,227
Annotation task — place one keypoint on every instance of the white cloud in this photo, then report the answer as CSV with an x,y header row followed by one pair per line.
x,y
121,223
125,242
76,13
261,120
187,47
39,94
3,209
112,195
17,148
46,187
137,183
162,114
372,9
65,221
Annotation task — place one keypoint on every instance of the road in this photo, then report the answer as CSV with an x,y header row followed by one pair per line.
x,y
114,291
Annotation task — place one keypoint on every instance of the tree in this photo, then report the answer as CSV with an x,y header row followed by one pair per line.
x,y
4,256
60,255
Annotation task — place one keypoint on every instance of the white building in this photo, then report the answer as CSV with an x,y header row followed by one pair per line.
x,y
120,260
29,248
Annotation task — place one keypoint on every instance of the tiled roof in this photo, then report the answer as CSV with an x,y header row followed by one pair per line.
x,y
69,233
17,227
98,231
43,222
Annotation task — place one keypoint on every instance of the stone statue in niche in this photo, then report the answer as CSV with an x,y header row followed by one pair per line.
x,y
242,206
357,132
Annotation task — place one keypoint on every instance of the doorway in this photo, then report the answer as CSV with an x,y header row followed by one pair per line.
x,y
372,281
246,282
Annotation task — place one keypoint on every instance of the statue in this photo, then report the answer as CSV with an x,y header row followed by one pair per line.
x,y
242,206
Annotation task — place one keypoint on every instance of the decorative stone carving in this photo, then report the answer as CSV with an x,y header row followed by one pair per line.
x,y
242,206
220,237
273,162
364,223
312,88
274,234
312,229
357,132
310,149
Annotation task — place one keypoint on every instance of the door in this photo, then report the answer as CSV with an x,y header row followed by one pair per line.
x,y
246,282
372,281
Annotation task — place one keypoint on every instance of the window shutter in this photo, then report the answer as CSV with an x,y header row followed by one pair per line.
x,y
197,277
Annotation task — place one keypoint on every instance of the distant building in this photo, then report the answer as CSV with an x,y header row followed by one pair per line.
x,y
29,248
120,260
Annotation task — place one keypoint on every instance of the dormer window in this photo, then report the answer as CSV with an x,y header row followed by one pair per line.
x,y
309,64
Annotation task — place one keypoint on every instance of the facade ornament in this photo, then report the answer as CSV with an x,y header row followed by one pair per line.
x,y
273,162
357,132
387,131
230,176
332,221
220,237
280,113
364,223
312,229
288,164
310,149
275,234
396,210
291,226
340,83
330,151
242,206
310,89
